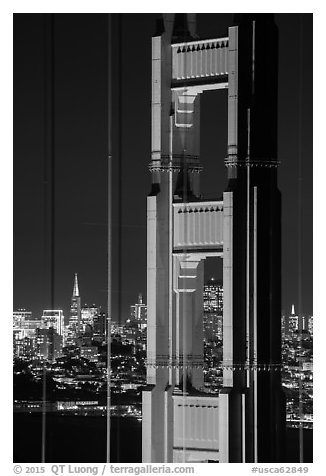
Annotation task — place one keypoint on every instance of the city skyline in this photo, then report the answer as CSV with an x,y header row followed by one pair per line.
x,y
67,370
81,226
83,305
90,304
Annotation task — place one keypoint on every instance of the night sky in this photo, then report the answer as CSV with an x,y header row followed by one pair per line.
x,y
81,150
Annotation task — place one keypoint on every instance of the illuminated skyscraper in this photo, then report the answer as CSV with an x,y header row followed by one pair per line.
x,y
213,296
54,319
138,321
87,315
20,316
138,312
24,327
293,321
24,322
100,327
213,310
311,325
75,311
48,343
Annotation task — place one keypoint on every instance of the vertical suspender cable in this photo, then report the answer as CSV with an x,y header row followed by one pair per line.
x,y
119,157
170,250
255,324
247,291
109,251
248,253
300,235
254,274
49,192
170,279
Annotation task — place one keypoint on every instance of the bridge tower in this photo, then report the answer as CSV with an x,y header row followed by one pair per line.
x,y
181,421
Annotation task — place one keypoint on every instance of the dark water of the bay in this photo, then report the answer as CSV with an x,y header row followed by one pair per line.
x,y
75,439
82,439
